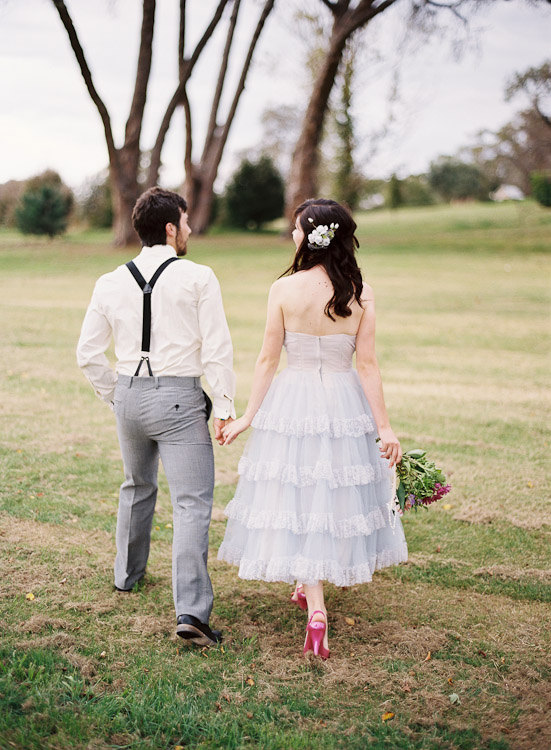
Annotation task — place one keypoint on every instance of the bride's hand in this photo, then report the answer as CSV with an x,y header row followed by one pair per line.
x,y
233,429
390,447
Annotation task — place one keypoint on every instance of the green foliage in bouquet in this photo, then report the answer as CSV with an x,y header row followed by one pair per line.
x,y
419,481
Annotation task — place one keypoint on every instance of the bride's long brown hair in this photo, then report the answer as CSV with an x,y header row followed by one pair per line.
x,y
338,258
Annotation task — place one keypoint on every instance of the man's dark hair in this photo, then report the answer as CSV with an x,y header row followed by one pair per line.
x,y
155,209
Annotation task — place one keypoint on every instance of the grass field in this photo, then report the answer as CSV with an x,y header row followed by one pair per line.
x,y
455,643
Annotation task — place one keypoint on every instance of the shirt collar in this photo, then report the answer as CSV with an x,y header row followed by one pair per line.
x,y
158,251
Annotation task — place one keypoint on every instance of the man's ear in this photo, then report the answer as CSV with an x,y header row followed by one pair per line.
x,y
170,230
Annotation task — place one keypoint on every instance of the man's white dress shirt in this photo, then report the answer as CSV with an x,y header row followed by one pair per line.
x,y
189,332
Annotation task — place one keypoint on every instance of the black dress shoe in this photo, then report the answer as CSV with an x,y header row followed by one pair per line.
x,y
190,628
130,590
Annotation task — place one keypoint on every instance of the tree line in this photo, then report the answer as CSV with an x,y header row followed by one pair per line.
x,y
344,20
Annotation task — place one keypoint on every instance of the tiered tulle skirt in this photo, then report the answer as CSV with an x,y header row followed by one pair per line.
x,y
311,502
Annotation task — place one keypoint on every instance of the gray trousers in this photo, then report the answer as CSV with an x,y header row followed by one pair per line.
x,y
165,417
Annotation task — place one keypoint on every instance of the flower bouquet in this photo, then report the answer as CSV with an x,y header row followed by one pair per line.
x,y
418,482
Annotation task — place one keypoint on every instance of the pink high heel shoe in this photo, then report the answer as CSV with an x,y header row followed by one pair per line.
x,y
315,632
301,597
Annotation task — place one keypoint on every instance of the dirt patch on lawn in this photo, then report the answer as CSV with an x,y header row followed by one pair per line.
x,y
33,534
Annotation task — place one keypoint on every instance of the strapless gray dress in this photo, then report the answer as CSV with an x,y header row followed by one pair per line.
x,y
311,501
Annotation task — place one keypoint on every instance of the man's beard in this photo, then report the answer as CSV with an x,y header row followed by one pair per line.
x,y
181,246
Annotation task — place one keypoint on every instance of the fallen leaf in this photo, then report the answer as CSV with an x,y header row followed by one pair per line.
x,y
350,620
406,689
222,650
454,699
428,657
450,680
226,697
249,681
157,528
438,548
446,506
178,747
63,580
481,653
30,596
103,655
530,484
168,525
412,673
388,716
218,706
145,669
249,715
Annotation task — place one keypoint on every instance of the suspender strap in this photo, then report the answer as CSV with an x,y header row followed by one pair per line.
x,y
147,289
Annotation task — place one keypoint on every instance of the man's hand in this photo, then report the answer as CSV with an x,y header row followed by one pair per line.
x,y
219,425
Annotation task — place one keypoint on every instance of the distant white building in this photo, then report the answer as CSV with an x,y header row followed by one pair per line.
x,y
507,193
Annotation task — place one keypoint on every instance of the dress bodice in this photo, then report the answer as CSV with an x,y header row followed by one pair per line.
x,y
330,353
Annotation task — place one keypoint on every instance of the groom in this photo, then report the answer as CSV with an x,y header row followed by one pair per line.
x,y
169,328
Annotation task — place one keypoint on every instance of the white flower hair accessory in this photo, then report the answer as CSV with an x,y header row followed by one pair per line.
x,y
322,234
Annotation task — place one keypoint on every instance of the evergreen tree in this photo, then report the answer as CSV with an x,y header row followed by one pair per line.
x,y
395,198
44,210
254,195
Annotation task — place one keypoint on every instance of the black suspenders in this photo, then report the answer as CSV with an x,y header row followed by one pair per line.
x,y
147,288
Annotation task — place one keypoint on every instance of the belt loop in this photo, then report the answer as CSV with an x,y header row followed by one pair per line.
x,y
157,382
131,381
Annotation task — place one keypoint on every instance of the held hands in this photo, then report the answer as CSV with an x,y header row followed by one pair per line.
x,y
233,429
390,447
219,425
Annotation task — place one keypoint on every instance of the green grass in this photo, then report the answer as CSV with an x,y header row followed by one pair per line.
x,y
463,341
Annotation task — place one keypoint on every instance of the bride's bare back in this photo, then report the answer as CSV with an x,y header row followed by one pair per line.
x,y
303,297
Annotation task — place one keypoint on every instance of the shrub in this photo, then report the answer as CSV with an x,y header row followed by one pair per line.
x,y
456,180
541,187
254,195
43,210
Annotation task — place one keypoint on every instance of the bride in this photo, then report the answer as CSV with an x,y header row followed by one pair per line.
x,y
311,502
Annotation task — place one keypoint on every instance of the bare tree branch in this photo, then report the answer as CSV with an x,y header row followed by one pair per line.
x,y
450,6
330,5
246,65
87,75
177,97
135,116
188,164
182,41
222,75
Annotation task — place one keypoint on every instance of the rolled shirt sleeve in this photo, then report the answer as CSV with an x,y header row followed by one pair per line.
x,y
216,348
94,340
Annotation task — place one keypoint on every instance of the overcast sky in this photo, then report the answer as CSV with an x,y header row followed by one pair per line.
x,y
48,120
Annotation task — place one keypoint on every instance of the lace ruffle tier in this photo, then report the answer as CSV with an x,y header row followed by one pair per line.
x,y
305,570
321,424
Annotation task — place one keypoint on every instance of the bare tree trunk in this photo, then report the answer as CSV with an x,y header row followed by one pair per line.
x,y
200,178
124,162
303,176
